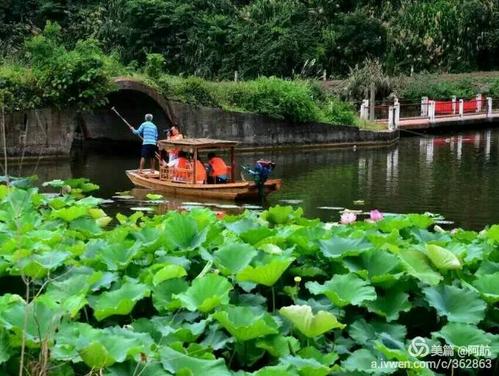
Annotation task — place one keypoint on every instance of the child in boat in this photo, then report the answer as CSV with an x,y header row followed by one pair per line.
x,y
217,169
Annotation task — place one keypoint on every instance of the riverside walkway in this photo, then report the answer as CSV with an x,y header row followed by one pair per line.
x,y
435,114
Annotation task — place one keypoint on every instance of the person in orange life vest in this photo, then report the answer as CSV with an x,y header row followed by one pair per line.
x,y
200,172
217,169
180,166
173,134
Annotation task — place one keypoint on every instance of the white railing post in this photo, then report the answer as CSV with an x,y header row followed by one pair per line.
x,y
478,102
391,125
396,120
461,108
489,106
431,110
454,99
364,109
424,106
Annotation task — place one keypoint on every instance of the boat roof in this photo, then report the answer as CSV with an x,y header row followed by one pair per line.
x,y
198,143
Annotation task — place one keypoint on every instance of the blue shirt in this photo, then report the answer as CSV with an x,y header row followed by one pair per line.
x,y
149,133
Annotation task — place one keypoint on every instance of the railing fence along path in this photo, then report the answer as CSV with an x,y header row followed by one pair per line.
x,y
428,111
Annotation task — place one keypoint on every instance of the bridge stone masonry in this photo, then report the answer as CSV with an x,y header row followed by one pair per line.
x,y
435,114
50,133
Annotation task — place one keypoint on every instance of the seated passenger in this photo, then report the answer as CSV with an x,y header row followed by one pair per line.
x,y
217,169
200,172
180,165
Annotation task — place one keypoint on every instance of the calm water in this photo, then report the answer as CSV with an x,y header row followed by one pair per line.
x,y
456,176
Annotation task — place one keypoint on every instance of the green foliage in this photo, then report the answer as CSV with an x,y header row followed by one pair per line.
x,y
164,295
154,65
338,112
267,37
79,77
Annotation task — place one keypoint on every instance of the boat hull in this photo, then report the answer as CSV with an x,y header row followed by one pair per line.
x,y
238,191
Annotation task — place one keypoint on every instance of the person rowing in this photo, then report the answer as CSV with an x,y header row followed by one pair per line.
x,y
149,134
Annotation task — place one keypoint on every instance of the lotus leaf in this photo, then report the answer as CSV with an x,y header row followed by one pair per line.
x,y
178,363
39,265
338,247
5,351
99,347
267,273
458,305
278,345
308,367
381,267
364,333
118,302
362,360
442,258
142,369
417,265
234,257
164,295
168,272
182,232
390,305
488,285
71,213
460,334
38,320
153,196
71,292
344,289
279,215
206,293
246,323
309,324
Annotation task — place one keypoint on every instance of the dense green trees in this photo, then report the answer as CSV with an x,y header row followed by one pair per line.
x,y
214,38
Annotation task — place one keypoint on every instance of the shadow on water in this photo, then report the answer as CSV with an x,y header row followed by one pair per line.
x,y
456,176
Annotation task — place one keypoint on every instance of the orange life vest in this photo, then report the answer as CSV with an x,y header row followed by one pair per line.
x,y
180,174
200,173
218,167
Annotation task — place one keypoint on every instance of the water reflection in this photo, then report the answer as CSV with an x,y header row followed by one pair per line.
x,y
454,175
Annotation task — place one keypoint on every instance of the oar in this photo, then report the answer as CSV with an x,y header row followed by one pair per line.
x,y
124,120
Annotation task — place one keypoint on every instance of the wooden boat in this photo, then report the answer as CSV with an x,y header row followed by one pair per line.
x,y
182,182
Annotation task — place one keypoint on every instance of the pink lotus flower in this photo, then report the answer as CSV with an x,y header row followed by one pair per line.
x,y
347,218
376,215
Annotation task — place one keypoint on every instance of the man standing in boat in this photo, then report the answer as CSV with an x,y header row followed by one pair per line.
x,y
149,133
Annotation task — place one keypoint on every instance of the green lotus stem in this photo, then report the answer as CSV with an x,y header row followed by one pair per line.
x,y
205,270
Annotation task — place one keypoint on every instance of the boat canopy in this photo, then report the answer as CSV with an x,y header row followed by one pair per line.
x,y
192,144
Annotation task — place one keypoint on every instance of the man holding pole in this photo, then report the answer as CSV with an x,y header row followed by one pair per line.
x,y
149,134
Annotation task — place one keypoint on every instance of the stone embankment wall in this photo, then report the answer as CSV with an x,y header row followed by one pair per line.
x,y
41,132
51,132
254,130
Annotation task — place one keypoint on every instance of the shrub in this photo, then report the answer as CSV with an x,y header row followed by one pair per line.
x,y
18,88
429,86
338,112
279,99
154,65
80,77
197,91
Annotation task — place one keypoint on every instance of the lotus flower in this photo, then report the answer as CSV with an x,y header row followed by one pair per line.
x,y
376,215
347,218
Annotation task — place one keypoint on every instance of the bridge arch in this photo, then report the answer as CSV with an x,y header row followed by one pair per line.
x,y
132,99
